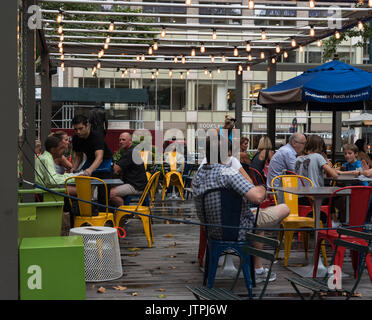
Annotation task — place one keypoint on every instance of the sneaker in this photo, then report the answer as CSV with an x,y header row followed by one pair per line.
x,y
336,224
261,277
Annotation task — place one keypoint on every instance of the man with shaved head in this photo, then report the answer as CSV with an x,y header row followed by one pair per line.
x,y
132,169
285,157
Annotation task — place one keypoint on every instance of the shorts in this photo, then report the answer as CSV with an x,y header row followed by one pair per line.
x,y
268,218
126,190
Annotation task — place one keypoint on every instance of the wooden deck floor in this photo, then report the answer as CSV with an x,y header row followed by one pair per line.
x,y
163,271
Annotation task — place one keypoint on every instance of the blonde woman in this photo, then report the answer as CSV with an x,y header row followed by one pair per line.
x,y
263,155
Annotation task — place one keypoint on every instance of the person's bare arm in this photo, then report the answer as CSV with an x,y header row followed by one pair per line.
x,y
330,172
64,162
245,175
256,195
76,160
117,169
96,163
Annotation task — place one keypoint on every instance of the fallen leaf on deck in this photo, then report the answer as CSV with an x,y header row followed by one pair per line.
x,y
161,296
172,245
120,288
134,249
134,294
357,294
172,267
161,289
169,235
133,254
172,256
101,290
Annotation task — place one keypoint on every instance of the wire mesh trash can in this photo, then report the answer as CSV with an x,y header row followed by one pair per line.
x,y
101,253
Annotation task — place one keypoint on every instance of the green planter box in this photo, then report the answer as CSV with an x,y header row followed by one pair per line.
x,y
39,219
52,268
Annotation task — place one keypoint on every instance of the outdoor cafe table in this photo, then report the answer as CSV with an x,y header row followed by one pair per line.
x,y
317,194
109,182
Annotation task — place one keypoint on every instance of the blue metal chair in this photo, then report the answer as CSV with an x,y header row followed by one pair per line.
x,y
230,209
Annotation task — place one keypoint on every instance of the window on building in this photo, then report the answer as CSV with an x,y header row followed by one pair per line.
x,y
178,94
313,57
119,83
166,10
164,93
150,85
263,10
292,57
254,90
204,95
367,53
219,12
91,83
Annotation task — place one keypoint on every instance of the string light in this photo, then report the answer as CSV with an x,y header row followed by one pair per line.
x,y
62,57
138,58
205,71
170,73
263,34
214,34
122,74
251,4
293,42
125,71
212,58
273,60
60,29
249,57
218,70
187,72
248,68
94,70
108,39
312,4
262,55
105,46
60,44
134,70
202,48
285,54
61,50
111,26
240,67
155,45
248,47
319,43
337,35
150,50
62,65
239,72
175,59
188,2
99,65
360,25
143,57
301,48
157,72
223,58
183,59
277,49
163,32
193,52
236,52
369,3
312,31
152,76
62,37
210,74
59,17
101,53
181,75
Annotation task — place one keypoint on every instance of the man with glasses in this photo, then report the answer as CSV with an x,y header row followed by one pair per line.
x,y
285,157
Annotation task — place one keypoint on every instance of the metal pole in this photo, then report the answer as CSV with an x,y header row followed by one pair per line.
x,y
239,100
46,97
271,112
9,130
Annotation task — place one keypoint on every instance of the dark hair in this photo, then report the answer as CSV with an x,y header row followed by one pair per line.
x,y
360,144
351,147
51,142
79,118
314,144
243,139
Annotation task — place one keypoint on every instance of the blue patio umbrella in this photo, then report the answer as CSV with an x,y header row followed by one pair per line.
x,y
334,85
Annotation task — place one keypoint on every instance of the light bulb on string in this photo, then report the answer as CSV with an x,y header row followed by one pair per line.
x,y
250,4
223,58
285,54
263,34
205,71
59,17
214,34
218,70
63,66
170,73
360,25
187,72
163,32
293,42
99,65
193,52
134,70
111,26
125,71
300,48
143,57
312,31
60,44
312,4
122,74
181,75
61,50
188,2
62,57
138,58
319,43
175,59
183,59
60,29
262,55
248,47
249,57
240,67
155,45
212,58
202,48
277,49
248,68
273,60
108,39
369,3
337,35
236,52
157,72
150,51
105,46
101,53
61,37
152,76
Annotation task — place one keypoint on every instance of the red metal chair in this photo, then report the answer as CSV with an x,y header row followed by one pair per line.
x,y
358,207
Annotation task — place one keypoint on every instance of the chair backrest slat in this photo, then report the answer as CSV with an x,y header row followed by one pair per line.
x,y
147,188
351,245
259,253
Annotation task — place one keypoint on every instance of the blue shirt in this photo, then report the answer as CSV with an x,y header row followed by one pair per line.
x,y
283,159
353,166
221,133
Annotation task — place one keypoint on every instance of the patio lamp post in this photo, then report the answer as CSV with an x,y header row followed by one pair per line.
x,y
271,112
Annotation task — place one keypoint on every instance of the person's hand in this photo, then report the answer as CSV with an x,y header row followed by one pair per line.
x,y
87,172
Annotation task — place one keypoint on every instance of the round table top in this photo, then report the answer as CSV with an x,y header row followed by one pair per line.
x,y
91,230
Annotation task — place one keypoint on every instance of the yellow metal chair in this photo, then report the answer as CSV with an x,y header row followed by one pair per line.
x,y
84,191
294,221
173,177
145,155
153,188
146,221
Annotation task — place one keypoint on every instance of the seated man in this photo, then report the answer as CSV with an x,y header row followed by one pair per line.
x,y
217,175
47,176
285,158
133,172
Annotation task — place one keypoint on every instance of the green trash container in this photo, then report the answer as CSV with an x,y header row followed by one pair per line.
x,y
52,268
40,219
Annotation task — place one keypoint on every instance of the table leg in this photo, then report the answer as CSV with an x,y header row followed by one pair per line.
x,y
228,269
307,271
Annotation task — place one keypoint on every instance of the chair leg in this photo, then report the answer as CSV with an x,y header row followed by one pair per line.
x,y
369,265
280,239
305,242
146,228
324,253
247,274
316,256
164,190
180,190
202,245
288,237
214,256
